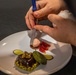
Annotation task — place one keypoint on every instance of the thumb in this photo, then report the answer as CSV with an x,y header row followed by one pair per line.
x,y
41,12
55,19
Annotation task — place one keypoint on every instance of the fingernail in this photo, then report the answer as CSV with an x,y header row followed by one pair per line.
x,y
49,16
36,14
34,26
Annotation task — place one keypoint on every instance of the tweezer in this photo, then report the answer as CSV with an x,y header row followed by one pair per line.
x,y
34,31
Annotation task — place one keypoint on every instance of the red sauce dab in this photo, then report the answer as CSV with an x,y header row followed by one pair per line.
x,y
44,46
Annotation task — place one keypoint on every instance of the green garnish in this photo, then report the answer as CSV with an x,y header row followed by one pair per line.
x,y
48,57
17,52
40,58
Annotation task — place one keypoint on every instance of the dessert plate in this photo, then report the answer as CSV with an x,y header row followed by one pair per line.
x,y
62,53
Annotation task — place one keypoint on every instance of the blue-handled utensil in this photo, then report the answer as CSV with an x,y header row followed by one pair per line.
x,y
34,8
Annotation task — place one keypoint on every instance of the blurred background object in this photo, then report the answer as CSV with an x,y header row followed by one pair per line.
x,y
72,6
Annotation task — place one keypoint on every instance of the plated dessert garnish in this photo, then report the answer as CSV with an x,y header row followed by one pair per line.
x,y
40,58
42,46
29,61
26,61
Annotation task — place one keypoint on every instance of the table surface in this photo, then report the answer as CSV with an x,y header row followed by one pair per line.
x,y
12,21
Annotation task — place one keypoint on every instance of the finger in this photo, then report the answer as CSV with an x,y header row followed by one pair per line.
x,y
46,29
32,19
56,19
42,12
27,21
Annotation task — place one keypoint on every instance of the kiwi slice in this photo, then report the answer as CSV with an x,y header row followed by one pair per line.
x,y
17,52
40,58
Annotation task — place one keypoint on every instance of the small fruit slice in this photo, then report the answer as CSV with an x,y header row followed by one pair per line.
x,y
45,44
48,57
41,49
40,58
17,52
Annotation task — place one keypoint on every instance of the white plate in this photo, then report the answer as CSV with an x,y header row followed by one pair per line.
x,y
62,54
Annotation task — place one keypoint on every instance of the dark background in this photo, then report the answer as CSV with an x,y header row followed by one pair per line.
x,y
12,13
72,6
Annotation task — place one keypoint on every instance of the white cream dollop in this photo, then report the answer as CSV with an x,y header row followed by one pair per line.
x,y
36,42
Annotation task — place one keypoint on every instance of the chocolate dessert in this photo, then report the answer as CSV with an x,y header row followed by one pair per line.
x,y
26,61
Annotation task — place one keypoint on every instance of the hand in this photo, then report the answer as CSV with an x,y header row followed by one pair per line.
x,y
65,30
47,7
